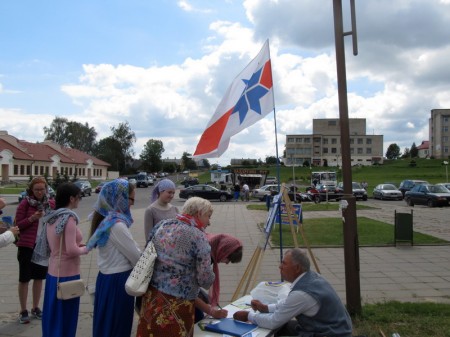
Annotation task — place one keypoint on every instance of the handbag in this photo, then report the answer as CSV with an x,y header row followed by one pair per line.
x,y
69,289
139,279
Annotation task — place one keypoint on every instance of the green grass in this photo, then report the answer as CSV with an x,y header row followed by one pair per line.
x,y
393,171
407,319
329,232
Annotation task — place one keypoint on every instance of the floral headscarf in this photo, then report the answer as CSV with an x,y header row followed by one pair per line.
x,y
113,204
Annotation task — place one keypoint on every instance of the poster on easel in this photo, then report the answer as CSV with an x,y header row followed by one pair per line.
x,y
297,215
273,213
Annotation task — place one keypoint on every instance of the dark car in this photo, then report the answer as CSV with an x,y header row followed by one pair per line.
x,y
387,192
98,188
85,187
430,195
205,192
328,192
358,191
190,182
51,194
407,184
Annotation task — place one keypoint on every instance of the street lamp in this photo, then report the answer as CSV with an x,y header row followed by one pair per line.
x,y
293,178
446,170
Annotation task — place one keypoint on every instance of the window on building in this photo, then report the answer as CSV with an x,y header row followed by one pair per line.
x,y
290,139
332,123
307,140
36,170
325,150
445,129
352,141
368,141
316,140
16,170
28,170
47,170
333,141
41,170
333,150
325,141
298,140
368,150
70,170
360,141
360,150
445,149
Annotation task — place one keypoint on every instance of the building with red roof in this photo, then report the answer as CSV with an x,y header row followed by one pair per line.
x,y
20,159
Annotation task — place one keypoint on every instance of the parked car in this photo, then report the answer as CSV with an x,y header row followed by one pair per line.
x,y
358,191
407,184
85,187
98,188
51,194
271,180
327,192
430,195
142,180
190,182
446,185
205,192
264,191
387,192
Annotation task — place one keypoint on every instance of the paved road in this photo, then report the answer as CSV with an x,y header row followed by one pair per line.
x,y
414,274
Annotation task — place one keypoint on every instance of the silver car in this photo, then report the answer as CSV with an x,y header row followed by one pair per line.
x,y
387,192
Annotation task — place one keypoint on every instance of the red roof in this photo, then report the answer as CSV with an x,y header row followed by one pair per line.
x,y
424,146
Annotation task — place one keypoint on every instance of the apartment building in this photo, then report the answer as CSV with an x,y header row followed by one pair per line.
x,y
439,129
323,146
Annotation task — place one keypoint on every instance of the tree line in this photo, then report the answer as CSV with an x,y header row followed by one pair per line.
x,y
393,152
116,149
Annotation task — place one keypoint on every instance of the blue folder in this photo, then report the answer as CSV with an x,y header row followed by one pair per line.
x,y
231,327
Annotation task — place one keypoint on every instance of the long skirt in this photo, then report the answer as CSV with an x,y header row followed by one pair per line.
x,y
113,307
59,317
165,315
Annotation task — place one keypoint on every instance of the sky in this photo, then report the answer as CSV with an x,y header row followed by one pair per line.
x,y
163,66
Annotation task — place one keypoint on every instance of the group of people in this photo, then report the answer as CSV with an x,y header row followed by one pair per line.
x,y
241,191
51,243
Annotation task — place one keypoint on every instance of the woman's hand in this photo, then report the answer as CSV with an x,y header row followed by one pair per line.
x,y
15,230
218,313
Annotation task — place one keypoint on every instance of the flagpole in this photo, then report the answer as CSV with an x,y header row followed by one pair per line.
x,y
278,161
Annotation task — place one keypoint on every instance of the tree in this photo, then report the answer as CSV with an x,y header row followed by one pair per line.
x,y
271,160
110,150
393,151
126,138
206,163
414,151
71,134
151,155
188,162
406,153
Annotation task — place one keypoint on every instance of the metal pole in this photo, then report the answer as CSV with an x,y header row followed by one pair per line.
x,y
293,178
351,250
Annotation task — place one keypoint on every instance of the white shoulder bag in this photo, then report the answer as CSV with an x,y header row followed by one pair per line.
x,y
139,279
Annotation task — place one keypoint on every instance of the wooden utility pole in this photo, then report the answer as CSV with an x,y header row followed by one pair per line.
x,y
351,244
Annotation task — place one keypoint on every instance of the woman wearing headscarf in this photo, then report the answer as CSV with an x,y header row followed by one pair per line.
x,y
183,266
224,249
117,255
60,230
30,210
160,207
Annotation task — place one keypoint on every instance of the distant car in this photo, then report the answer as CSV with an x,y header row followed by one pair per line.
x,y
85,187
407,184
430,195
446,185
328,192
387,192
98,188
271,180
142,180
358,191
51,194
190,182
205,192
264,191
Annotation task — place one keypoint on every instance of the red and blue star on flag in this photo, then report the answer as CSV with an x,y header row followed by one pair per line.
x,y
248,99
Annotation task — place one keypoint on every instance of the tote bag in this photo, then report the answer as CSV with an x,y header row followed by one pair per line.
x,y
139,279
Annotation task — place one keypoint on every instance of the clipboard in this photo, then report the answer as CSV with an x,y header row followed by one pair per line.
x,y
229,326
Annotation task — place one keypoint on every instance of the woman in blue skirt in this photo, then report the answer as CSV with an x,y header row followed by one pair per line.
x,y
60,230
117,255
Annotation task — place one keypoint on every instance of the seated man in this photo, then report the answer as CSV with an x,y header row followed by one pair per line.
x,y
312,301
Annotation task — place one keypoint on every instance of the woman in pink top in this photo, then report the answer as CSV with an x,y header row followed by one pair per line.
x,y
60,317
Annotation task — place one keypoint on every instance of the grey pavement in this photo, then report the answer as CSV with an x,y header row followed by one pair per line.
x,y
403,273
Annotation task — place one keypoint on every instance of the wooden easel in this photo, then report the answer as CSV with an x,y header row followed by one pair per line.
x,y
251,272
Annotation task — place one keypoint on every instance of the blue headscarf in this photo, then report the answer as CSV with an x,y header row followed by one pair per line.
x,y
113,204
163,185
